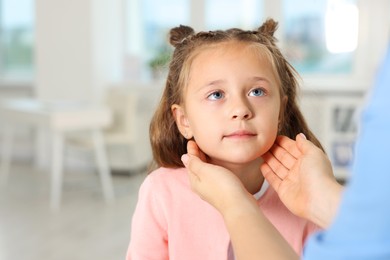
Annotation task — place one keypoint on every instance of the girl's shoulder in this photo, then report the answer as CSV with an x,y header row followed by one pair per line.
x,y
163,178
162,186
163,173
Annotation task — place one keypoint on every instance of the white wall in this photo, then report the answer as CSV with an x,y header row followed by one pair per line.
x,y
79,48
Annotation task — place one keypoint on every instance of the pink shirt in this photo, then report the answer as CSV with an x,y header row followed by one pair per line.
x,y
172,222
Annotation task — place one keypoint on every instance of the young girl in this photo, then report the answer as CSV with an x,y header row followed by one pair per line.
x,y
232,92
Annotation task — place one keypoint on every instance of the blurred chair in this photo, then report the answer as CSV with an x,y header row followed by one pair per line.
x,y
60,119
127,138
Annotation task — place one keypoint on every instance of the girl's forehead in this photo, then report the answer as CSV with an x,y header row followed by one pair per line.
x,y
233,47
235,51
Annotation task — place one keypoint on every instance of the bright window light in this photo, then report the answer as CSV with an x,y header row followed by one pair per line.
x,y
341,26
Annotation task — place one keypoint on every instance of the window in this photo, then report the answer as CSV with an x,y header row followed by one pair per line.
x,y
224,14
320,36
317,36
149,21
16,39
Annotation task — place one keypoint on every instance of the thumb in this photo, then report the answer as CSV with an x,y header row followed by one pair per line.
x,y
193,149
197,167
303,144
194,168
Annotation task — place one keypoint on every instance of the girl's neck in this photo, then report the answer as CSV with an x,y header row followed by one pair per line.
x,y
249,174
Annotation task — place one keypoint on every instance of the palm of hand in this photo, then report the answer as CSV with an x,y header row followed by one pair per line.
x,y
296,189
298,175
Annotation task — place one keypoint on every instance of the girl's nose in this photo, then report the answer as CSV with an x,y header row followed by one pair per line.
x,y
241,110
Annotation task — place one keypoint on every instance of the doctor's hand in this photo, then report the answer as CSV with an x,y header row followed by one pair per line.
x,y
302,176
214,184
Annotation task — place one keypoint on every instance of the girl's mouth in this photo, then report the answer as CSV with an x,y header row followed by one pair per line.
x,y
240,134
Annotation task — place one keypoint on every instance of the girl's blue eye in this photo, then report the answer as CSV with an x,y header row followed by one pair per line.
x,y
258,92
215,95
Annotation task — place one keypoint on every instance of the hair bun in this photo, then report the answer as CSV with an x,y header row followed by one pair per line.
x,y
268,28
178,34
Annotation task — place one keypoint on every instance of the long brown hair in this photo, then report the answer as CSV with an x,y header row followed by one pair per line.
x,y
167,143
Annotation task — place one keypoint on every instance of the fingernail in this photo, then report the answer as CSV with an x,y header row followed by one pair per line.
x,y
184,159
303,136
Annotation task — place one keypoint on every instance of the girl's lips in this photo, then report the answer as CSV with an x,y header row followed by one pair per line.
x,y
240,133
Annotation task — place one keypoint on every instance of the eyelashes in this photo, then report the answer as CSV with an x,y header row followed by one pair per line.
x,y
216,95
219,94
257,92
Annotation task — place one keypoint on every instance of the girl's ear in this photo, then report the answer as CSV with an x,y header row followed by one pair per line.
x,y
181,121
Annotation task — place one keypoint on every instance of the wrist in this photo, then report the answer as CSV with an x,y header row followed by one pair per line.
x,y
324,209
240,206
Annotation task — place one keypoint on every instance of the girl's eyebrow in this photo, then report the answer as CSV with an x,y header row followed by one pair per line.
x,y
210,84
220,81
256,78
214,82
250,79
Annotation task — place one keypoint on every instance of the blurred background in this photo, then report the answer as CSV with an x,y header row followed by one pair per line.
x,y
79,81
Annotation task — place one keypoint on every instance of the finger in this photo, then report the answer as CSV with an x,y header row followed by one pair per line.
x,y
275,165
288,145
304,145
199,173
198,167
191,160
270,176
283,156
193,149
194,179
192,167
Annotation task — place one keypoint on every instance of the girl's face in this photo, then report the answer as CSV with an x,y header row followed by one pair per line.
x,y
231,104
